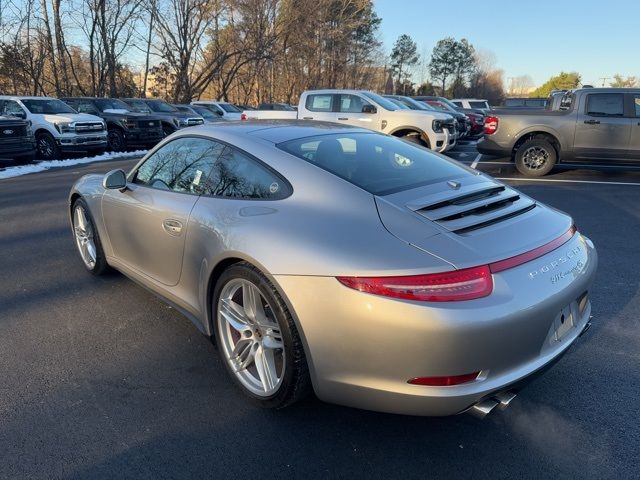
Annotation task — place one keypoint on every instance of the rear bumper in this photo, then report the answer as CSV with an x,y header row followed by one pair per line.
x,y
488,146
363,349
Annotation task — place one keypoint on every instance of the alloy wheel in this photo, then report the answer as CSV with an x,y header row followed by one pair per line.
x,y
45,149
251,337
84,237
535,157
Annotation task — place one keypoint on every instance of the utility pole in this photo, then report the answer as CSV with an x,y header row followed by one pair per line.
x,y
604,79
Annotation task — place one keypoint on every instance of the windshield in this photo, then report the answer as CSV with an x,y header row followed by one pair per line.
x,y
452,106
379,164
138,106
438,105
161,106
50,106
383,102
204,112
477,104
110,104
399,103
230,108
414,104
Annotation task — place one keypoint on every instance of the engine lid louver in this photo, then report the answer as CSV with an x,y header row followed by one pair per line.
x,y
472,207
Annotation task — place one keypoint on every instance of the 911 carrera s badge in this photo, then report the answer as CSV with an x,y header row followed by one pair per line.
x,y
274,187
454,185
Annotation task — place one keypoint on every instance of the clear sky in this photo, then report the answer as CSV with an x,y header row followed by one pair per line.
x,y
596,38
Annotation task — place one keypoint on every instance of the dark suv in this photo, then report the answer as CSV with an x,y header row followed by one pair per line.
x,y
172,118
16,139
125,128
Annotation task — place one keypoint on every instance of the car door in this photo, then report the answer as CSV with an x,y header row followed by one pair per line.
x,y
350,108
602,130
634,142
319,106
146,223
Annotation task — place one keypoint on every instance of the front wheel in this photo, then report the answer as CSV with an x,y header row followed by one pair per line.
x,y
87,239
258,339
115,140
535,158
46,146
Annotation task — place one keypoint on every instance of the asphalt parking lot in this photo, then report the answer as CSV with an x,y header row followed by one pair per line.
x,y
100,379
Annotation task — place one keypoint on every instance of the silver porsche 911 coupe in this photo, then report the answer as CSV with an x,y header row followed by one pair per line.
x,y
328,258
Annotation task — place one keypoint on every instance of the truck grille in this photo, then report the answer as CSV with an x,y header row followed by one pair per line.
x,y
13,131
148,124
474,207
89,127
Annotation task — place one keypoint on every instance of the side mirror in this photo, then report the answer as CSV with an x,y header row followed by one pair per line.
x,y
115,180
369,109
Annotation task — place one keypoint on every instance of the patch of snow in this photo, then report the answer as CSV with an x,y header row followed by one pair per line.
x,y
18,170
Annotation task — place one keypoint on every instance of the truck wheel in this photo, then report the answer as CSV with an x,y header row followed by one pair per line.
x,y
115,139
535,158
415,139
46,147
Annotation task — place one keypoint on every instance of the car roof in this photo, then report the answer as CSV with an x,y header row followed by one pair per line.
x,y
274,131
26,97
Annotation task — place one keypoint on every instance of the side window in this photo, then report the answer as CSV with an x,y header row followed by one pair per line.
x,y
352,103
319,102
459,104
605,104
12,109
182,165
236,175
636,103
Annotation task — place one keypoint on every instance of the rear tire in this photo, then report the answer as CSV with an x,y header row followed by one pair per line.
x,y
535,157
47,149
268,338
87,238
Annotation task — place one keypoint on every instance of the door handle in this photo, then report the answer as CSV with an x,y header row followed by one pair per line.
x,y
592,122
172,227
343,118
307,118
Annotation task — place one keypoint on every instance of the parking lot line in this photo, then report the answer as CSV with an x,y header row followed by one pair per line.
x,y
476,160
554,180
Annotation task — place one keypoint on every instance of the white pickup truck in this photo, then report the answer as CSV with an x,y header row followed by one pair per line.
x,y
366,109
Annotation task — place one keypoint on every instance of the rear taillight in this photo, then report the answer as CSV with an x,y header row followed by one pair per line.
x,y
490,125
243,116
445,381
466,284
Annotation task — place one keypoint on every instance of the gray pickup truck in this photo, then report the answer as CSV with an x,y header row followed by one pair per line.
x,y
590,125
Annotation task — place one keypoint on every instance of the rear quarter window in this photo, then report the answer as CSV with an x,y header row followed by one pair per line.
x,y
319,103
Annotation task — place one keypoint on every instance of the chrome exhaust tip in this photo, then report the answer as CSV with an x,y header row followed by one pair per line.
x,y
483,408
504,399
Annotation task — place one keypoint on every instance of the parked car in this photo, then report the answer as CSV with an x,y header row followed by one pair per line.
x,y
593,124
531,103
472,103
208,115
226,110
402,281
172,118
16,139
276,106
411,104
124,128
370,110
57,127
464,123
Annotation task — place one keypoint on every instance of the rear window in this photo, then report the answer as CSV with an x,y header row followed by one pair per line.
x,y
376,163
478,105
